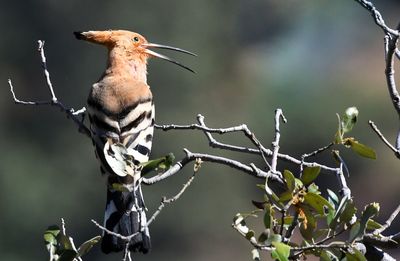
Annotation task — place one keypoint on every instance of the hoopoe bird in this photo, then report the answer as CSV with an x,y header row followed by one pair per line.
x,y
121,110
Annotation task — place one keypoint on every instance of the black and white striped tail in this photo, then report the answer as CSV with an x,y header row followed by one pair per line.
x,y
125,215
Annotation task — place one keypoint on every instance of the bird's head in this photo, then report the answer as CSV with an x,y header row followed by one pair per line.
x,y
130,43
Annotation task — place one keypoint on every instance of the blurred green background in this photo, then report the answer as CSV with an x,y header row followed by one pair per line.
x,y
310,58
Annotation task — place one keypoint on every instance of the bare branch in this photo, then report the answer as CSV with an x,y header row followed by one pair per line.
x,y
71,113
125,238
380,135
165,201
377,17
388,222
391,40
345,191
63,231
317,151
275,144
215,144
46,72
211,158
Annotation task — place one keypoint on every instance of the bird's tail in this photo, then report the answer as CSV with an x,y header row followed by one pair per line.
x,y
125,215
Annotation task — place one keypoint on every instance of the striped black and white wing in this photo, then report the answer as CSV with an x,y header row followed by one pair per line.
x,y
131,125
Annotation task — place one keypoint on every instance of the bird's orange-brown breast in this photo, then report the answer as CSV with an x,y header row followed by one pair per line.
x,y
113,95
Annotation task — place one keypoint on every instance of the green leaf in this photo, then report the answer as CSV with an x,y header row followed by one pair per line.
x,y
264,236
313,188
356,255
354,231
348,212
298,183
65,242
250,234
273,238
360,149
87,245
310,174
67,255
287,221
317,202
320,233
268,216
163,163
272,197
349,119
285,196
50,235
370,211
261,186
308,225
338,139
372,225
119,187
281,251
290,180
328,256
333,197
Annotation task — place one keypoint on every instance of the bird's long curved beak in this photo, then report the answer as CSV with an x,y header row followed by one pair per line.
x,y
152,53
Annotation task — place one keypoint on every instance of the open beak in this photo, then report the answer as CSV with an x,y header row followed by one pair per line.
x,y
152,53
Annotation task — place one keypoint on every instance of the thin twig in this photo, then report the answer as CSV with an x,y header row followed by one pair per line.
x,y
275,144
70,112
215,144
211,158
388,222
391,43
380,135
125,238
243,128
345,191
377,16
46,72
311,154
165,201
127,254
63,227
63,231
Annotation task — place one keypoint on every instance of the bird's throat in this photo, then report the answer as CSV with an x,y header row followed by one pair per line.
x,y
129,67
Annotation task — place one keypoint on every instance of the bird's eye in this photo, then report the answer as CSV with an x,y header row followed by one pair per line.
x,y
136,39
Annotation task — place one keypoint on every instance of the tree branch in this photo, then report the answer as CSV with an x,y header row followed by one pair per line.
x,y
377,17
71,113
380,135
241,128
211,158
275,144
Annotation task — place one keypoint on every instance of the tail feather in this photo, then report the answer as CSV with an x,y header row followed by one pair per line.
x,y
125,215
